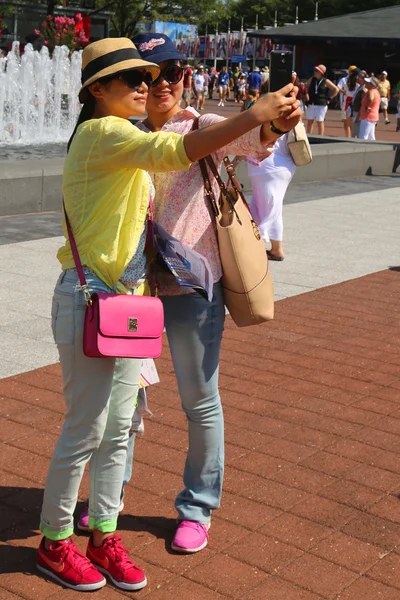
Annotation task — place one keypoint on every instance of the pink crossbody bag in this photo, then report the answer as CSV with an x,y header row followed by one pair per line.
x,y
119,325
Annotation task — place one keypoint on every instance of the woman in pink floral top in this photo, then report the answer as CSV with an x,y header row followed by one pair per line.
x,y
194,325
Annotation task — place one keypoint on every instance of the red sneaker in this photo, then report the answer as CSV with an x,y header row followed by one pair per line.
x,y
64,563
112,559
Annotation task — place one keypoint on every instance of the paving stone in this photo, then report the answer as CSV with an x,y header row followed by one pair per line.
x,y
263,552
387,570
25,582
247,513
363,453
374,530
330,464
377,438
158,552
105,593
23,463
298,531
10,516
391,424
374,477
261,464
388,460
227,576
348,552
311,437
318,576
225,534
303,479
376,405
275,494
387,508
366,589
353,494
184,588
325,512
6,595
277,589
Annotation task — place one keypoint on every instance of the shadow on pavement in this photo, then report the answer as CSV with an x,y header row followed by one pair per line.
x,y
20,511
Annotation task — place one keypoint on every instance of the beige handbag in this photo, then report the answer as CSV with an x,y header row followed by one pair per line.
x,y
247,281
299,146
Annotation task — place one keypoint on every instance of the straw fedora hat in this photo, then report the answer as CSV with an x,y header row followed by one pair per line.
x,y
109,56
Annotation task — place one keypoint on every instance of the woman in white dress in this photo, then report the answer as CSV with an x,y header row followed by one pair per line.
x,y
348,89
270,179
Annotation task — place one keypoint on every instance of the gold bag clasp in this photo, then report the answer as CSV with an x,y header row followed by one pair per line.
x,y
132,325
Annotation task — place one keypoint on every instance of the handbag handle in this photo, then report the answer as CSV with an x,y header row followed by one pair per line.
x,y
75,253
224,190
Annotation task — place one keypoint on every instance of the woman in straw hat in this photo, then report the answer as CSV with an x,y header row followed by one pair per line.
x,y
106,192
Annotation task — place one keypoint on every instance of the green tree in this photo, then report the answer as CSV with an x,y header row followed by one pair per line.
x,y
127,14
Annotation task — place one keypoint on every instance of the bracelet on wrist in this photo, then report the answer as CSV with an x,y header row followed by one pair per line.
x,y
275,129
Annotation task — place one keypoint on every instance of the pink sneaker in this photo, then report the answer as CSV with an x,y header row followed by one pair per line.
x,y
83,523
190,537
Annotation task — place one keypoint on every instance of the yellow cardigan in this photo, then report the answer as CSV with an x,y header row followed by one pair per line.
x,y
106,191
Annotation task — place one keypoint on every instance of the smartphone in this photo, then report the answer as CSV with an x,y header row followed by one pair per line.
x,y
280,70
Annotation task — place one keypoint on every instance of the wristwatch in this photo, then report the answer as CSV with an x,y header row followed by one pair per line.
x,y
275,129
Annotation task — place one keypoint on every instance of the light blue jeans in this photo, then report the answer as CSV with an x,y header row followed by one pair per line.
x,y
194,329
100,396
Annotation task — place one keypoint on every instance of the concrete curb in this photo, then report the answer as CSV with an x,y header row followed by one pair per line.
x,y
35,185
30,186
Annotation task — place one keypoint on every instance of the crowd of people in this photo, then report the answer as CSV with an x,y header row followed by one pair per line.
x,y
362,97
202,82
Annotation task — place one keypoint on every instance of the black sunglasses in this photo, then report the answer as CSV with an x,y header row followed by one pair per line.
x,y
134,79
172,74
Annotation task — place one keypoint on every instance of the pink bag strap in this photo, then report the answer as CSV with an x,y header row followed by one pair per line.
x,y
74,249
77,260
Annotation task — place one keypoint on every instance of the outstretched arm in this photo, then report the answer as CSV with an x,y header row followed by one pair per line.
x,y
276,105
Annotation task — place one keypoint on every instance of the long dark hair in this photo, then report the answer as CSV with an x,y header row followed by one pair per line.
x,y
352,81
86,113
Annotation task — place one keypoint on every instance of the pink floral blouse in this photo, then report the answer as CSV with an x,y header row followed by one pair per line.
x,y
180,205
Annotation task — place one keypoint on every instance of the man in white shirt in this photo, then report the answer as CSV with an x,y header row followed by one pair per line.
x,y
384,90
199,87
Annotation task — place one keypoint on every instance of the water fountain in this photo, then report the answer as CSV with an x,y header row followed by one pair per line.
x,y
39,95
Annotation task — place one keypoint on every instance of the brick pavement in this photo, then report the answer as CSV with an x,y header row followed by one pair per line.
x,y
311,506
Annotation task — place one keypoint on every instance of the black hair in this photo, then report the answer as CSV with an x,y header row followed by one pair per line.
x,y
86,114
253,92
88,107
352,81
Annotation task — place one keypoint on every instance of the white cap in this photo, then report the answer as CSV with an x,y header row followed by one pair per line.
x,y
384,72
370,80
